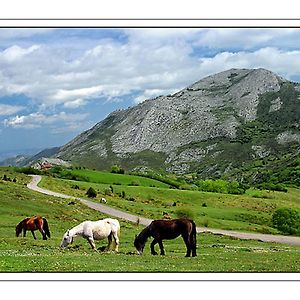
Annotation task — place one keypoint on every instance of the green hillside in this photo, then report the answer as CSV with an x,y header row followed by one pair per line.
x,y
215,253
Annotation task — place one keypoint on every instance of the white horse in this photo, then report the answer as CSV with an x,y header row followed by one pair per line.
x,y
95,230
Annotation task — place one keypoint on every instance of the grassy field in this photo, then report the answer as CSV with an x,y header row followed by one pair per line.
x,y
215,253
249,212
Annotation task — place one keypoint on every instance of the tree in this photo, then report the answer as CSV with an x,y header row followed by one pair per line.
x,y
116,169
287,220
91,193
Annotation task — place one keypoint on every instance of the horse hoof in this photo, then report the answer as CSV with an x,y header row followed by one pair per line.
x,y
154,253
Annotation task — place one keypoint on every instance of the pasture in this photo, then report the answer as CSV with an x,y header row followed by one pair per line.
x,y
251,212
214,253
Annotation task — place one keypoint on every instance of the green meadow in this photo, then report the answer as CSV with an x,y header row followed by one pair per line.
x,y
251,211
215,253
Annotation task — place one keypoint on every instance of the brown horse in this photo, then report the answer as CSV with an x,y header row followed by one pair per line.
x,y
167,230
32,224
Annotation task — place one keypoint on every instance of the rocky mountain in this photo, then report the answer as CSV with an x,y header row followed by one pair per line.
x,y
222,122
14,161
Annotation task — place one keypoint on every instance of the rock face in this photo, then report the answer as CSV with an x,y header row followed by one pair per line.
x,y
212,126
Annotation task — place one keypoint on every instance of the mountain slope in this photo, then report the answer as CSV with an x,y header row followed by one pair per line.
x,y
217,124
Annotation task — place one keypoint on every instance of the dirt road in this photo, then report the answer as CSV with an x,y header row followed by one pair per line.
x,y
104,208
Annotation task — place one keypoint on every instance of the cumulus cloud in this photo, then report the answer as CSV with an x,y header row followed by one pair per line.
x,y
148,62
149,94
6,110
36,120
285,63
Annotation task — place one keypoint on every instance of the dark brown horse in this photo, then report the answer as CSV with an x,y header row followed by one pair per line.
x,y
32,224
167,230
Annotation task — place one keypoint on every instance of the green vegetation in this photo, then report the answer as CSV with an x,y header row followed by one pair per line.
x,y
251,211
287,220
221,186
117,169
215,253
91,193
184,212
105,177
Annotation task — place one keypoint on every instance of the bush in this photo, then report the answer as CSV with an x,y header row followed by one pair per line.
x,y
184,212
134,183
221,186
28,171
91,193
117,170
287,220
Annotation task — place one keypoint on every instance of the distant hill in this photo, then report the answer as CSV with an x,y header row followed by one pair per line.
x,y
24,160
216,126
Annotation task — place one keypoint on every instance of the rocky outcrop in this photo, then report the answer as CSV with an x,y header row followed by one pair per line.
x,y
198,125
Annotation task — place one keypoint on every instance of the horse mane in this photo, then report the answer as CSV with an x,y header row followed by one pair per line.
x,y
144,235
19,227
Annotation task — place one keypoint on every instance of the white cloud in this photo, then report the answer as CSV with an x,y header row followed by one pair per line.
x,y
6,110
36,120
148,94
149,62
285,63
15,53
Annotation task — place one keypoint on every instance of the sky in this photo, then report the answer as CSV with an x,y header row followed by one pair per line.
x,y
56,83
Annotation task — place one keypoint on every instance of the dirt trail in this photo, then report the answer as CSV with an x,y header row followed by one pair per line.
x,y
104,208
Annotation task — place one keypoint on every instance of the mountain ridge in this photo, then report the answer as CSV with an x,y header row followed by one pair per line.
x,y
216,126
181,132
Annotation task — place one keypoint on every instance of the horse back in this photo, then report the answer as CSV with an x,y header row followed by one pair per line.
x,y
170,229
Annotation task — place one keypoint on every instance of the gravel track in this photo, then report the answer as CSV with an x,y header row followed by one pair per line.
x,y
33,185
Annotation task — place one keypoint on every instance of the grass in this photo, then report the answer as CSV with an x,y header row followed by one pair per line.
x,y
250,212
116,179
215,253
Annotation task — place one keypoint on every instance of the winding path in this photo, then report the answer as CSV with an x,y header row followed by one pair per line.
x,y
33,185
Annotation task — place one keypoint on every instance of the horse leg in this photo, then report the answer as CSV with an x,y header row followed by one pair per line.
x,y
33,234
188,245
154,242
24,232
109,238
161,246
117,241
194,246
92,243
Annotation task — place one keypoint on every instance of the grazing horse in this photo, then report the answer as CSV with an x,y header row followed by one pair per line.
x,y
34,223
167,230
95,230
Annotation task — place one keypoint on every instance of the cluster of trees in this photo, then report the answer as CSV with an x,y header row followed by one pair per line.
x,y
287,220
221,186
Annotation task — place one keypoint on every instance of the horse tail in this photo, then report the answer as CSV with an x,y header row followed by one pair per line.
x,y
194,237
46,227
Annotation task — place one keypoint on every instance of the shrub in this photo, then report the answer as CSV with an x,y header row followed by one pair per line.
x,y
116,169
221,186
184,212
287,220
107,192
134,183
91,193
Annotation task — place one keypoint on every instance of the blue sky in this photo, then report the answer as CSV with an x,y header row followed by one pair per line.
x,y
56,83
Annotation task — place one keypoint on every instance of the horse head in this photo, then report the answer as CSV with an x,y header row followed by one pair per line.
x,y
19,229
139,245
66,240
